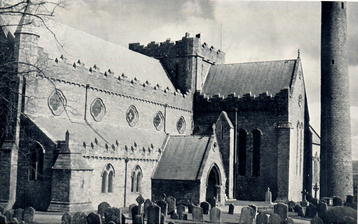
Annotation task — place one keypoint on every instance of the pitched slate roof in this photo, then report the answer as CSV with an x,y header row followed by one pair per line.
x,y
254,77
71,161
182,158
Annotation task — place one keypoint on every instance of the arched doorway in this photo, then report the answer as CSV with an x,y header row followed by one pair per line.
x,y
213,186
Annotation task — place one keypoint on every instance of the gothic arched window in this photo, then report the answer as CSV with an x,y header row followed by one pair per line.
x,y
256,153
137,176
36,162
242,152
107,179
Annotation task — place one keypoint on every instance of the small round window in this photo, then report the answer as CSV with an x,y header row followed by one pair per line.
x,y
98,110
181,125
132,116
57,102
158,121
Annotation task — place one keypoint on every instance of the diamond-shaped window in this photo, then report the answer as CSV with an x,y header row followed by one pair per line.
x,y
181,125
158,121
57,102
132,116
98,109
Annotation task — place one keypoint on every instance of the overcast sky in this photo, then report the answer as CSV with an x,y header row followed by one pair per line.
x,y
245,31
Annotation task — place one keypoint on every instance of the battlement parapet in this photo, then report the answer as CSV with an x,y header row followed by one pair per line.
x,y
246,102
187,46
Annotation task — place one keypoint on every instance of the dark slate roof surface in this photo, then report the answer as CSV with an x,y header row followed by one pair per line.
x,y
254,77
182,158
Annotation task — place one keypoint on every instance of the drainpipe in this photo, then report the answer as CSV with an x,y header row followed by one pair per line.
x,y
125,181
85,115
165,118
235,156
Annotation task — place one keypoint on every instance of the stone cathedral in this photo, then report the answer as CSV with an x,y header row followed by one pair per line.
x,y
85,121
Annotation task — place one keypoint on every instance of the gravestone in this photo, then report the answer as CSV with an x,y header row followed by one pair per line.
x,y
185,216
140,200
2,210
231,209
9,214
348,220
254,207
198,214
102,207
94,218
322,206
113,214
299,210
281,210
79,218
337,201
275,219
134,211
315,201
190,208
130,209
29,214
174,215
15,221
162,218
3,219
147,204
180,210
19,214
171,201
316,220
163,206
335,214
328,200
123,219
268,196
215,215
153,214
138,219
289,220
247,215
291,206
206,207
350,199
263,218
311,211
66,218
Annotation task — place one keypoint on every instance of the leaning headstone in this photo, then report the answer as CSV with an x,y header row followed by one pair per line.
x,y
322,206
66,218
134,211
138,219
162,218
268,196
275,219
299,210
9,214
19,214
281,210
337,201
174,215
291,206
316,220
153,214
206,207
215,215
29,214
102,208
247,215
94,218
231,209
198,214
3,219
147,204
113,214
263,218
171,201
180,211
311,211
163,206
79,218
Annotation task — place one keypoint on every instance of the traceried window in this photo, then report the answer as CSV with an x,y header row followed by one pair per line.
x,y
158,121
132,116
137,176
57,102
242,152
181,125
36,162
98,109
256,152
107,179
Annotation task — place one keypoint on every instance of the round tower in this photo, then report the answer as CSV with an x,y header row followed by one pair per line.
x,y
336,153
